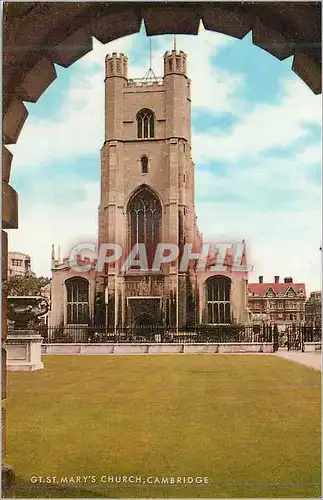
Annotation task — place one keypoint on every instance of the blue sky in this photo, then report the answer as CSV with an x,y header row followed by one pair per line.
x,y
256,144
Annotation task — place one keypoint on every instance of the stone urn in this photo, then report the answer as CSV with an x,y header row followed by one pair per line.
x,y
25,311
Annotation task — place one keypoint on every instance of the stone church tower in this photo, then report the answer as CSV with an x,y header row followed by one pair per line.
x,y
147,198
147,190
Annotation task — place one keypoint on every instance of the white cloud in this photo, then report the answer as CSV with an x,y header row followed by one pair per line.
x,y
310,154
266,126
267,183
42,222
78,131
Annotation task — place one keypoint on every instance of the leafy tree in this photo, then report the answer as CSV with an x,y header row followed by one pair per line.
x,y
19,285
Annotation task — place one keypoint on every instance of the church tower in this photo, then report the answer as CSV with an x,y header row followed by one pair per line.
x,y
147,198
147,190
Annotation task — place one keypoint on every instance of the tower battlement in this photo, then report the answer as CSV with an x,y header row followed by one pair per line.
x,y
176,52
152,83
175,62
116,64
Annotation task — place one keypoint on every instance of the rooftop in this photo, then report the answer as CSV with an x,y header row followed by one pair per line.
x,y
260,289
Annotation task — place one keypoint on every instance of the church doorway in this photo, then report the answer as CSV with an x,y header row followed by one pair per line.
x,y
145,313
145,320
146,328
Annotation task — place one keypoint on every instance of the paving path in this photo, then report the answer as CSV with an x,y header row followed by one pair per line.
x,y
311,359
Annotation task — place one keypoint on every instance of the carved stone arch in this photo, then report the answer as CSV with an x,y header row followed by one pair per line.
x,y
148,187
144,216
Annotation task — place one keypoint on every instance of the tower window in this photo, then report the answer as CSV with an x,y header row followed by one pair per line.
x,y
144,165
145,124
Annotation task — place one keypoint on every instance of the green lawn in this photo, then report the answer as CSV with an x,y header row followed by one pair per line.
x,y
251,424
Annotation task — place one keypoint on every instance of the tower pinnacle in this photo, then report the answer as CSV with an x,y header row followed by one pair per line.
x,y
116,65
175,62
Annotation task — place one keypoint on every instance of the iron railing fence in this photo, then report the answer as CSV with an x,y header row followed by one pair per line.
x,y
297,335
158,334
312,334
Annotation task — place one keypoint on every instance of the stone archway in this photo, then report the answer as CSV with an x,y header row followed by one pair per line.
x,y
144,320
37,35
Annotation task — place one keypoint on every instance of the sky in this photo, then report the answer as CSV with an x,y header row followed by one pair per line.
x,y
256,144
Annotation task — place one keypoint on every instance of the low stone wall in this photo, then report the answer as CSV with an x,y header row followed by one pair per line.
x,y
24,351
156,348
312,346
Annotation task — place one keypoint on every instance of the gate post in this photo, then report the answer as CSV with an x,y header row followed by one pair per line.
x,y
288,340
302,337
275,338
8,476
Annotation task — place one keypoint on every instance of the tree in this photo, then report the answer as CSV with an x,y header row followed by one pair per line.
x,y
19,285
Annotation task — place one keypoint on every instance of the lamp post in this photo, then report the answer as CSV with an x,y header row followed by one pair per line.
x,y
177,298
106,301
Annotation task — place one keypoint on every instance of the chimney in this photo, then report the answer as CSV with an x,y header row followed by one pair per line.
x,y
276,279
261,279
288,280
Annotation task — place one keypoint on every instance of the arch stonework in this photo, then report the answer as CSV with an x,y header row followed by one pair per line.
x,y
144,186
38,35
147,227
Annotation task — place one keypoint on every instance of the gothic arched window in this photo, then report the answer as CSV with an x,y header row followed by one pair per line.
x,y
218,300
144,216
77,303
144,164
145,124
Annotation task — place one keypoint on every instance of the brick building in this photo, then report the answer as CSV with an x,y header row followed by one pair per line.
x,y
19,264
280,303
147,196
313,309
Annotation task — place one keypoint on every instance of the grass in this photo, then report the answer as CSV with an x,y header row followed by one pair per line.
x,y
251,424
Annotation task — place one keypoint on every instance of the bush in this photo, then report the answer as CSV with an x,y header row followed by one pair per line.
x,y
221,333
